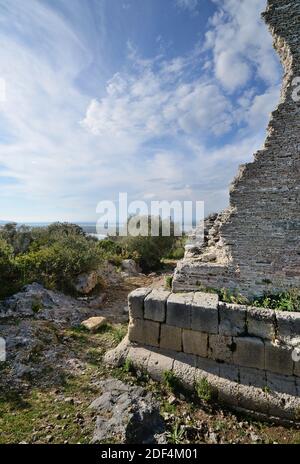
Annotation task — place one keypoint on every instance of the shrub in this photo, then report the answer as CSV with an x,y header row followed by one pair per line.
x,y
58,264
114,252
148,251
8,271
18,238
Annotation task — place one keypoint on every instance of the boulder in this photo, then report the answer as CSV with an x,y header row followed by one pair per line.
x,y
127,412
130,267
86,283
93,323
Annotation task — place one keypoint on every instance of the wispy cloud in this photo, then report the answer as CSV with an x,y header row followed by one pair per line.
x,y
190,5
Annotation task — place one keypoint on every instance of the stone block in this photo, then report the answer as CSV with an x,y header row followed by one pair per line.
x,y
204,313
208,366
220,348
252,377
155,305
179,310
185,369
253,399
144,332
285,406
136,302
261,323
278,359
249,352
298,387
158,364
229,372
232,319
139,357
288,327
228,392
296,362
170,338
281,384
195,342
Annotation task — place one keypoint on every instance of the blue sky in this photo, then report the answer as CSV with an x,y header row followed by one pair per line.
x,y
162,99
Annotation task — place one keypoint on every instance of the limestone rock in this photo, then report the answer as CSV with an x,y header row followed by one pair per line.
x,y
126,412
130,267
93,323
85,283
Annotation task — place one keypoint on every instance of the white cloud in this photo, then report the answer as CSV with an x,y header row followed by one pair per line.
x,y
241,44
158,102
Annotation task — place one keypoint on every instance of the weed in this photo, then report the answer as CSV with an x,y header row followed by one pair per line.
x,y
168,282
266,389
119,333
204,390
36,306
285,301
128,366
171,381
176,434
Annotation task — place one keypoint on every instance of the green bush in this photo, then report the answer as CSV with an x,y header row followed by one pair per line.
x,y
53,256
18,238
149,250
114,252
58,264
8,270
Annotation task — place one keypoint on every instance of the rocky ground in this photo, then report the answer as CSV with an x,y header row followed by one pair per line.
x,y
54,387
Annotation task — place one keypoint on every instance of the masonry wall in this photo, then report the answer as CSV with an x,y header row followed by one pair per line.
x,y
258,244
197,334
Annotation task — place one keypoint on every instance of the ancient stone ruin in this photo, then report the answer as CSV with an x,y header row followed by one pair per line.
x,y
254,246
249,357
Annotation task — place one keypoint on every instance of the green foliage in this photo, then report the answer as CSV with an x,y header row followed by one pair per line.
x,y
286,301
8,271
36,306
178,249
203,390
128,366
58,263
18,238
171,381
232,297
119,333
177,253
176,435
149,250
53,256
168,282
114,252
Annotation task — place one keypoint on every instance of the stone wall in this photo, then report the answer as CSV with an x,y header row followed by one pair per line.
x,y
254,245
247,354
